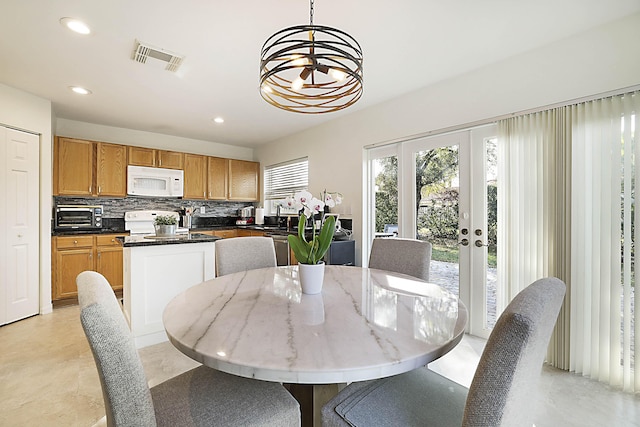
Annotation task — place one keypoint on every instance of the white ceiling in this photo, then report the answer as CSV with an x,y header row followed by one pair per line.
x,y
407,44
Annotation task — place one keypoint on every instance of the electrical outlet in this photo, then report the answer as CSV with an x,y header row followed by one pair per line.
x,y
201,209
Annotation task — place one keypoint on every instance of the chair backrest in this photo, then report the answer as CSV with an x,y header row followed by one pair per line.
x,y
408,256
509,368
244,253
127,398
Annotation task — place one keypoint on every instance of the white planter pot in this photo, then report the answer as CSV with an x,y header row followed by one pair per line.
x,y
165,230
311,277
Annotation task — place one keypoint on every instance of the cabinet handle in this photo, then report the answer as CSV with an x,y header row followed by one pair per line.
x,y
160,162
99,189
113,240
90,256
90,187
75,242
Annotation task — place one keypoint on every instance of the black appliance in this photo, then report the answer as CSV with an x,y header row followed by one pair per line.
x,y
78,217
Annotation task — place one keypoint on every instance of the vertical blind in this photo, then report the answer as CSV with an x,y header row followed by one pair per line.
x,y
604,221
284,179
568,210
533,217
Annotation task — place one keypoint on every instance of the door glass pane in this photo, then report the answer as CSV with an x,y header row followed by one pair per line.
x,y
492,228
437,205
385,171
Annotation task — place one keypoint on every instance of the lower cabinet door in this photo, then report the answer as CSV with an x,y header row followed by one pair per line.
x,y
109,264
69,264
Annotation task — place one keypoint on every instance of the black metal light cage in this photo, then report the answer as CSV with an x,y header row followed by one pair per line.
x,y
313,54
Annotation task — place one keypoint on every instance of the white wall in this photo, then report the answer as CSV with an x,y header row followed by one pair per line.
x,y
93,132
28,112
597,61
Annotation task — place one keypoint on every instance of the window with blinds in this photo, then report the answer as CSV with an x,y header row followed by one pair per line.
x,y
282,181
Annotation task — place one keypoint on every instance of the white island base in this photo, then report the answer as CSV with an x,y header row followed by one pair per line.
x,y
153,275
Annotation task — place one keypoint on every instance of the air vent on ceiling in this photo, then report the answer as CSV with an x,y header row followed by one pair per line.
x,y
143,51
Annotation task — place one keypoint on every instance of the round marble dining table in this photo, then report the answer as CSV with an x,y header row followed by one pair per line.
x,y
365,324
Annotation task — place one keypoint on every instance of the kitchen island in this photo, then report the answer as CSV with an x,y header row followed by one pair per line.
x,y
156,269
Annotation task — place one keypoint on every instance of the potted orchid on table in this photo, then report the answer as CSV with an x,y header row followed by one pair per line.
x,y
310,252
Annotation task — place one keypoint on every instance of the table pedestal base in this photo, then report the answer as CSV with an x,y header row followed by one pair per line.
x,y
312,397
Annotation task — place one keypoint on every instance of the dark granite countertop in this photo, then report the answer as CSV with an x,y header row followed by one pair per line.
x,y
73,232
134,241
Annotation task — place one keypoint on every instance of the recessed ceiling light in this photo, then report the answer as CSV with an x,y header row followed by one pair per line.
x,y
80,90
75,25
218,120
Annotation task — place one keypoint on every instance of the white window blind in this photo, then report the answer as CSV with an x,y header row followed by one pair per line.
x,y
283,180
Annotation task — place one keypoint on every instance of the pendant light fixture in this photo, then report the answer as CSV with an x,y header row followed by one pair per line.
x,y
311,69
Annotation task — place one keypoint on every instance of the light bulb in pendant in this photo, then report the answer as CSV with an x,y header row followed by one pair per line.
x,y
338,75
297,84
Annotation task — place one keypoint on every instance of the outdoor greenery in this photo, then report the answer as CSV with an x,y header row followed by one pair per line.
x,y
437,202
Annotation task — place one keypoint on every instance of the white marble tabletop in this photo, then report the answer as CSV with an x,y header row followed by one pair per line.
x,y
365,324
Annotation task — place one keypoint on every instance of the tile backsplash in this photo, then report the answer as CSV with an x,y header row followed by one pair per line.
x,y
116,207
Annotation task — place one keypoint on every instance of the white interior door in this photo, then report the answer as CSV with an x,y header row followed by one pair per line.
x,y
19,228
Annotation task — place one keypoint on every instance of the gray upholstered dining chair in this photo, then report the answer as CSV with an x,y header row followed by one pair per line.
x,y
408,256
199,397
244,253
503,387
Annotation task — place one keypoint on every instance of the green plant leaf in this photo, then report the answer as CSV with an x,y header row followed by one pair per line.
x,y
300,248
325,237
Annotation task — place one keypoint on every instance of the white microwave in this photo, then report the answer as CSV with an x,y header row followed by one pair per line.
x,y
154,182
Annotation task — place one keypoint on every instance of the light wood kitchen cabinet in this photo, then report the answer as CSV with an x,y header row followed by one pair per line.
x,y
217,178
88,168
140,156
111,170
170,159
195,176
72,256
243,180
109,259
73,167
75,254
243,232
225,234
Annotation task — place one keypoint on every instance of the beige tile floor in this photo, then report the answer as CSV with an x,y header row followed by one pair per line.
x,y
48,378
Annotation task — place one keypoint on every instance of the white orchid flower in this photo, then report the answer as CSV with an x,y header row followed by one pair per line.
x,y
290,202
303,198
328,200
316,205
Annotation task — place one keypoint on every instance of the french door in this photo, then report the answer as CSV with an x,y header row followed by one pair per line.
x,y
443,190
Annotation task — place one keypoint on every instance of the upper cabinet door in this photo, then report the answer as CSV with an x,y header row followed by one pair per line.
x,y
111,170
243,180
195,176
170,159
218,178
74,167
139,156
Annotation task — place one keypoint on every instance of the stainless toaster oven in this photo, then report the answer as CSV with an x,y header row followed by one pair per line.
x,y
78,217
